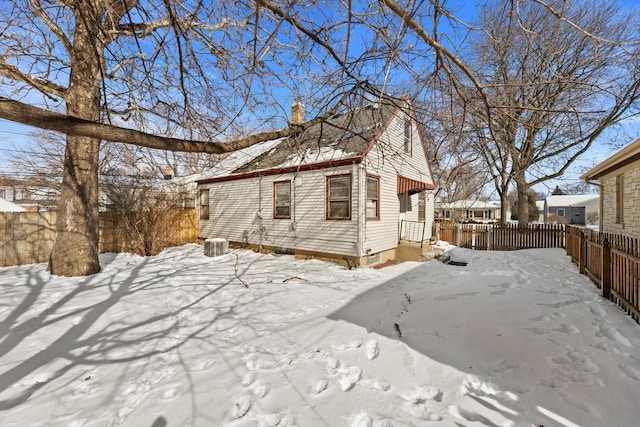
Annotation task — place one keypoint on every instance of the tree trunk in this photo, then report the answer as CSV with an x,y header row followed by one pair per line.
x,y
504,205
523,201
75,250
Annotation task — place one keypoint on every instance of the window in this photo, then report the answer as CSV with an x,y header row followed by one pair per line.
x,y
421,206
339,197
2,193
620,199
560,212
407,136
446,214
282,199
204,204
487,214
373,197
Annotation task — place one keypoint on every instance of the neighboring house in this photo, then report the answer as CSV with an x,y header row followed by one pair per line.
x,y
31,195
349,188
7,206
567,209
619,181
469,210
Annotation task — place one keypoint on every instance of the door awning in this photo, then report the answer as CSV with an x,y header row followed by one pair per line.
x,y
412,186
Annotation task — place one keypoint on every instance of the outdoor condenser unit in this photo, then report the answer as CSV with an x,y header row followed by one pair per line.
x,y
216,247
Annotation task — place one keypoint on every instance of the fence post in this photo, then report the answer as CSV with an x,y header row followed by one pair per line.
x,y
437,233
582,260
606,269
490,237
458,234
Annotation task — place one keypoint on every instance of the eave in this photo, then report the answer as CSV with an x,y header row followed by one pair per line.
x,y
624,157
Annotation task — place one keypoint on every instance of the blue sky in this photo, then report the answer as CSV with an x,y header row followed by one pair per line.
x,y
17,137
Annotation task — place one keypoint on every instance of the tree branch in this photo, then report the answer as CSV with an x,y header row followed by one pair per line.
x,y
33,116
48,88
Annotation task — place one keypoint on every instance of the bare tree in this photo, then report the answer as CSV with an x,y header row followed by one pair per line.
x,y
555,82
182,68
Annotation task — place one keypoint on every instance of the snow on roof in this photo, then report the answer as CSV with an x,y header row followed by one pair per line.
x,y
576,200
343,136
7,206
470,204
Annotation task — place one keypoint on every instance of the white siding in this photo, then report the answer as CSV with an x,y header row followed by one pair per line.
x,y
388,160
245,206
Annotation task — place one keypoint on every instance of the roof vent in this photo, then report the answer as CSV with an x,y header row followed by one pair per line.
x,y
216,247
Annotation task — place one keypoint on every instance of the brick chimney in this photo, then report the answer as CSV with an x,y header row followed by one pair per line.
x,y
297,113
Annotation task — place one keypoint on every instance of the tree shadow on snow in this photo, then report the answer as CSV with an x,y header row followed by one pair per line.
x,y
97,321
446,323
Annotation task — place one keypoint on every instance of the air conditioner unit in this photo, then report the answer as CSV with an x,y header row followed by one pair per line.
x,y
216,247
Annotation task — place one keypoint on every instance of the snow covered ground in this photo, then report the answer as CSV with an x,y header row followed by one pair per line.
x,y
512,339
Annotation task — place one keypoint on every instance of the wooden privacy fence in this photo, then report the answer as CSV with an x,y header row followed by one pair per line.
x,y
612,262
27,237
501,237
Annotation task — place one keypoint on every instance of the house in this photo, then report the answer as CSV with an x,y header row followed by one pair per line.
x,y
567,209
7,206
469,210
349,189
33,195
619,182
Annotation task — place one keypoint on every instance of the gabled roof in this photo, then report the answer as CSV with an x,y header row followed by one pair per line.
x,y
7,206
627,155
579,200
341,140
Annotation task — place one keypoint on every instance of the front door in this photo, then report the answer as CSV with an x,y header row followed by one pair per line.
x,y
402,216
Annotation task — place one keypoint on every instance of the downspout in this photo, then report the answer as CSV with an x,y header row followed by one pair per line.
x,y
358,172
260,228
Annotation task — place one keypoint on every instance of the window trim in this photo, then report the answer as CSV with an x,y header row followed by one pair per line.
x,y
275,193
408,139
366,198
563,212
201,205
327,201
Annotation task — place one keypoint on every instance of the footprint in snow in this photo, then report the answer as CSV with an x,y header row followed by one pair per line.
x,y
343,347
613,335
248,379
170,394
597,311
350,376
320,386
372,349
240,407
630,371
422,395
372,384
202,365
567,329
361,420
261,391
